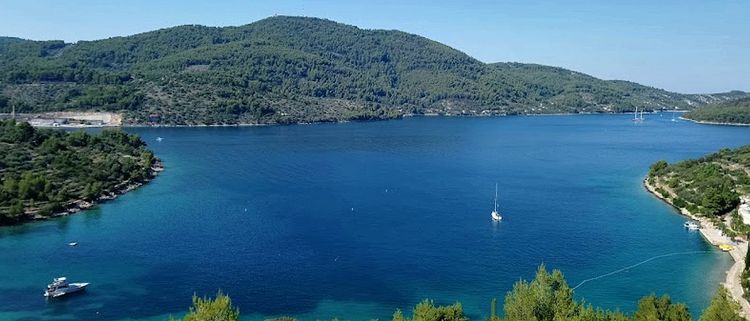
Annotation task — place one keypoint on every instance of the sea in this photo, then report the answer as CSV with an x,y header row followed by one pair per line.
x,y
355,220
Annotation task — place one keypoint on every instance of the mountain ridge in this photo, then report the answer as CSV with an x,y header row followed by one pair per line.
x,y
286,69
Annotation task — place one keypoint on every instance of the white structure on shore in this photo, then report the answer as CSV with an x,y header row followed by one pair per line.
x,y
744,209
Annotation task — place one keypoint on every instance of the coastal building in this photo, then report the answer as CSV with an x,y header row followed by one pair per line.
x,y
744,211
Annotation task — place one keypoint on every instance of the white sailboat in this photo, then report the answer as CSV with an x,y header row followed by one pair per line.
x,y
636,117
495,214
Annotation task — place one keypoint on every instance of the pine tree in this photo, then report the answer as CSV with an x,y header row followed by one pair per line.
x,y
722,308
218,309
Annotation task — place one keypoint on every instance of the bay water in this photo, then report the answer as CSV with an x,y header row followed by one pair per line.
x,y
355,220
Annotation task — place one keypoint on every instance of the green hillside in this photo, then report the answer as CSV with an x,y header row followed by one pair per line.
x,y
730,112
294,69
45,172
707,186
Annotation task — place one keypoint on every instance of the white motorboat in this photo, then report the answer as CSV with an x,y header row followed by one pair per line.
x,y
690,225
60,287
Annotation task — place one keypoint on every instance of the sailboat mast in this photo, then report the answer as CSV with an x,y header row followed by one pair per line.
x,y
495,197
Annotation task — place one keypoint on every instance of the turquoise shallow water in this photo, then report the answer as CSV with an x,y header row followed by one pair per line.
x,y
355,220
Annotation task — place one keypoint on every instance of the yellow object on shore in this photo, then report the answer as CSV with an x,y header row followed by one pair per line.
x,y
726,247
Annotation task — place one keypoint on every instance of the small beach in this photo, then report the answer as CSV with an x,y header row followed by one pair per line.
x,y
715,237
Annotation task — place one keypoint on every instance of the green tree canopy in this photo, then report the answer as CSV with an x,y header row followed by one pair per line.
x,y
652,308
546,298
217,309
44,170
710,185
427,311
735,111
297,69
722,308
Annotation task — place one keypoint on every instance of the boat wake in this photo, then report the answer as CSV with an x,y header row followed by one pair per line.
x,y
636,265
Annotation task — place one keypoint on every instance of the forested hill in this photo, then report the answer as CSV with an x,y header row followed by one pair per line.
x,y
294,69
729,112
46,172
708,186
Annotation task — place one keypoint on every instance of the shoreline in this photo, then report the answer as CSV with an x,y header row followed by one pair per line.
x,y
398,117
705,122
715,237
80,205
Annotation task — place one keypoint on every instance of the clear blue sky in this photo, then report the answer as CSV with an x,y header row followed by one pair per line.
x,y
681,45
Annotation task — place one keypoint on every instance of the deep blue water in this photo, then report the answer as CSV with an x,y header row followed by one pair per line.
x,y
355,220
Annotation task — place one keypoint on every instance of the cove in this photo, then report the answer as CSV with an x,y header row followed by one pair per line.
x,y
354,220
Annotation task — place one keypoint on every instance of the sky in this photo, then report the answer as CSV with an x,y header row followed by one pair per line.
x,y
687,46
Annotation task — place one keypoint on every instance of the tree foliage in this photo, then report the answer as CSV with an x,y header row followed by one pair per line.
x,y
44,170
653,308
216,309
546,298
722,308
549,298
710,185
295,69
427,311
658,168
735,111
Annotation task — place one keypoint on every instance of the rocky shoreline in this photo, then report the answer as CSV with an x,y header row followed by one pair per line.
x,y
715,237
78,205
704,122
